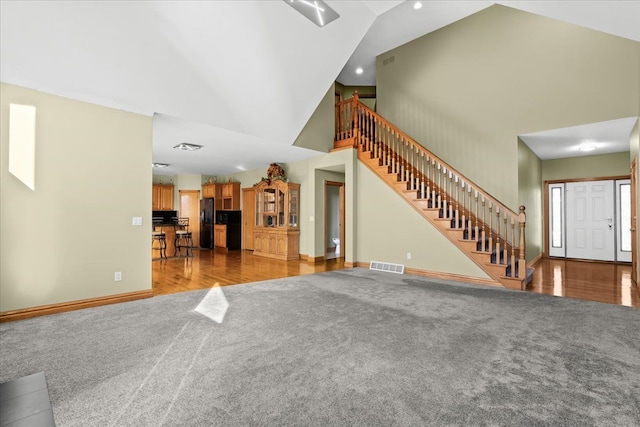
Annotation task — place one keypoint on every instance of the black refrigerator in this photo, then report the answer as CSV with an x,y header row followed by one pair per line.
x,y
207,220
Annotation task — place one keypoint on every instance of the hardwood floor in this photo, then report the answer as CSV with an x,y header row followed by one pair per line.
x,y
208,267
594,281
602,282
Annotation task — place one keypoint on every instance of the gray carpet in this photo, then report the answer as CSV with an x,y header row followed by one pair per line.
x,y
349,347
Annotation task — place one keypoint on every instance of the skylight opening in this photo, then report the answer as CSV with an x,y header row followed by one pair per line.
x,y
317,11
187,147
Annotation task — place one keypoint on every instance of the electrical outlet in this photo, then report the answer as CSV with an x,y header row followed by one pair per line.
x,y
408,255
137,220
117,276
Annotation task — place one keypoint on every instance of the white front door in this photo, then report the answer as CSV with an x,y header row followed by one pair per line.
x,y
590,220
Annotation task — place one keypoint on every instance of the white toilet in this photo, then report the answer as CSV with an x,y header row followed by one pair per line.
x,y
336,241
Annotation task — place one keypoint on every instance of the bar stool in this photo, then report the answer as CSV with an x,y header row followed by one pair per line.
x,y
183,238
160,237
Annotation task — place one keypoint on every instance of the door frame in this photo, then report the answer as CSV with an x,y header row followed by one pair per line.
x,y
546,219
341,216
248,197
634,220
194,221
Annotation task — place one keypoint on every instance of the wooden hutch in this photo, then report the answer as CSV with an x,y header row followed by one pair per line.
x,y
277,233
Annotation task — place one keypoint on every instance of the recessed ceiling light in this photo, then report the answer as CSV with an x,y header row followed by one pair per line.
x,y
317,11
187,147
417,5
359,70
159,165
589,146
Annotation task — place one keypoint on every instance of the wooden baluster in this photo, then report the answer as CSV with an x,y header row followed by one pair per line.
x,y
447,192
469,224
483,224
407,171
372,128
513,247
354,108
423,195
384,139
394,143
451,194
411,172
455,197
369,144
405,150
490,230
400,146
522,267
392,154
475,222
497,251
386,153
434,196
365,127
403,162
337,122
445,196
438,197
506,240
416,168
443,192
427,182
464,204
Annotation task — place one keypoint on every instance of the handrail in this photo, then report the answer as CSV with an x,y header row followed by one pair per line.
x,y
433,156
424,172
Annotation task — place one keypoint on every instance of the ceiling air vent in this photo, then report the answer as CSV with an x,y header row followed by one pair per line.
x,y
386,266
388,60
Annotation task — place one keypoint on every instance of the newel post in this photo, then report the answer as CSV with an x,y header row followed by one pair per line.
x,y
356,127
522,266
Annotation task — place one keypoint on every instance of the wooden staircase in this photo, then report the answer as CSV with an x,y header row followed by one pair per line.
x,y
488,232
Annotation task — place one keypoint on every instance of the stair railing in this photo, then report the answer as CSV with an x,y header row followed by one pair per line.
x,y
495,227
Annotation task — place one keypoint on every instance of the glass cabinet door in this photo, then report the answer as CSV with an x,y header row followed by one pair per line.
x,y
281,222
259,206
293,207
269,208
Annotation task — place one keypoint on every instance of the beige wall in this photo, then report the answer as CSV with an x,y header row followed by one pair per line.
x,y
469,89
319,131
604,165
348,91
65,240
530,189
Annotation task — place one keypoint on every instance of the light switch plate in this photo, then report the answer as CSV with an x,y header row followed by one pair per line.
x,y
137,220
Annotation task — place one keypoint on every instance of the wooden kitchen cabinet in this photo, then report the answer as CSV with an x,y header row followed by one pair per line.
x,y
162,197
209,191
230,196
220,235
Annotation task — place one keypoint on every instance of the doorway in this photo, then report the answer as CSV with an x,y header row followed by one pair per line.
x,y
334,219
589,219
190,208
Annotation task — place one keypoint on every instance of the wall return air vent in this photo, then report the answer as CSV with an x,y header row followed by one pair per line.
x,y
386,266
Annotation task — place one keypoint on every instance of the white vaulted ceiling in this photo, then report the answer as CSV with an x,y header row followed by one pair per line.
x,y
241,78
